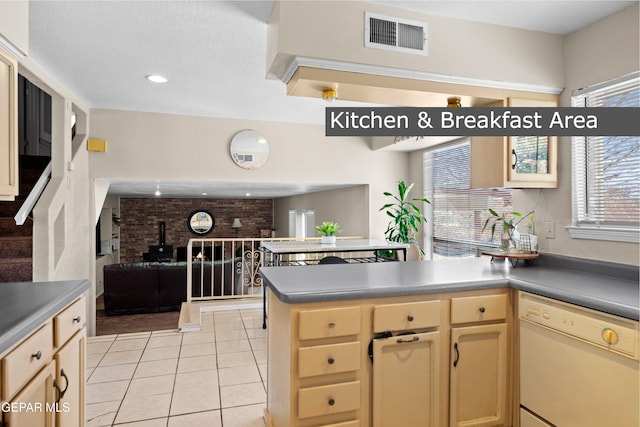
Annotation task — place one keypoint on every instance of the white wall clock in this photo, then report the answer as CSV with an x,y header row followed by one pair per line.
x,y
249,149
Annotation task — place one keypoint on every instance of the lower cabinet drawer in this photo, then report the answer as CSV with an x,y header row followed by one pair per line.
x,y
478,309
328,399
329,323
328,359
26,359
406,316
69,321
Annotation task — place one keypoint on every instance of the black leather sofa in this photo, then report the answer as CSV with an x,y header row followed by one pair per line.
x,y
151,287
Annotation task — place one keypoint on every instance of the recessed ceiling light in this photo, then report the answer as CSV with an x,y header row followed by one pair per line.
x,y
157,193
156,78
204,194
247,194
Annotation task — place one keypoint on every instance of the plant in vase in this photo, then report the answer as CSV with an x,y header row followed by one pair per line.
x,y
506,223
405,216
328,230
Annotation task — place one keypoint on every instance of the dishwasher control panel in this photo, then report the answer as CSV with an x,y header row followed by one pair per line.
x,y
604,330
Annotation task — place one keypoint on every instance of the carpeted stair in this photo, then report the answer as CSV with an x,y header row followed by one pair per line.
x,y
16,242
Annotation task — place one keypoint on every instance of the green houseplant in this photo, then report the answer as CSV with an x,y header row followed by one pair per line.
x,y
405,216
328,230
506,223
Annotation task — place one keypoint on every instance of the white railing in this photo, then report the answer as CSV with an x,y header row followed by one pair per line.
x,y
223,268
33,196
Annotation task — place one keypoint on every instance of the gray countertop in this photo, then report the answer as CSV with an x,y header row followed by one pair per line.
x,y
316,283
26,305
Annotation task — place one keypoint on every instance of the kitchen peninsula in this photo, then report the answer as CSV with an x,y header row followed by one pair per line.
x,y
393,343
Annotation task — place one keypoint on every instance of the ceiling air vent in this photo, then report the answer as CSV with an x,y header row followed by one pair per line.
x,y
400,35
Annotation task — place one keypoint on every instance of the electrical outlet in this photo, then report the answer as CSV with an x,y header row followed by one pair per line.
x,y
550,230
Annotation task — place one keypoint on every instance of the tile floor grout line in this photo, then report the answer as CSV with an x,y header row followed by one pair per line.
x,y
175,379
215,337
97,364
130,380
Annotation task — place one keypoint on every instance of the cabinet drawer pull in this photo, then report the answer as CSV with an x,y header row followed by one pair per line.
x,y
77,319
414,339
37,355
66,386
410,318
515,158
331,401
457,359
481,309
332,325
331,361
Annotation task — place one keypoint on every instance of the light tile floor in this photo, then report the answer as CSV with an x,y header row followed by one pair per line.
x,y
215,377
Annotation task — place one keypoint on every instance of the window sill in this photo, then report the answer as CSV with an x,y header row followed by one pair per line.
x,y
602,233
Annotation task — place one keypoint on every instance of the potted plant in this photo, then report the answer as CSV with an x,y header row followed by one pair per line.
x,y
405,216
506,223
328,230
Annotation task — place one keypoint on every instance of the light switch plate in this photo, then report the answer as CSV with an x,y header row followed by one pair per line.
x,y
550,230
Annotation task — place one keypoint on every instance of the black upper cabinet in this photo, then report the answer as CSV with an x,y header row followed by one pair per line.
x,y
34,119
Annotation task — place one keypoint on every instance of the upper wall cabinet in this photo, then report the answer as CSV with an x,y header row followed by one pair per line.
x,y
8,127
533,160
516,161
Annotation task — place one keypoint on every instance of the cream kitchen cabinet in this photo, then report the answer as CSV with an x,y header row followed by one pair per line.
x,y
42,381
516,161
406,364
533,159
479,361
406,380
34,405
380,362
317,364
70,364
70,337
8,126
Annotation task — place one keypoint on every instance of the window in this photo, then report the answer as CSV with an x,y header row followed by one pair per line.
x,y
606,170
457,213
302,223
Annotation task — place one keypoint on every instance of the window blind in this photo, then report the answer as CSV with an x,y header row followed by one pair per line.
x,y
606,170
457,212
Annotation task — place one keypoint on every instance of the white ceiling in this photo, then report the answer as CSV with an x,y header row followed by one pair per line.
x,y
214,52
214,189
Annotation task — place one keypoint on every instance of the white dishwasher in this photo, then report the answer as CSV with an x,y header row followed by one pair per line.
x,y
578,367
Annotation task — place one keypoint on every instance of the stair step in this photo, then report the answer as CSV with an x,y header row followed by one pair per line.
x,y
10,209
16,246
16,270
8,227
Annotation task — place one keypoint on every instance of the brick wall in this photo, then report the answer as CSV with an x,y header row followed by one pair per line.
x,y
140,221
